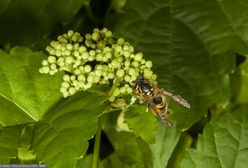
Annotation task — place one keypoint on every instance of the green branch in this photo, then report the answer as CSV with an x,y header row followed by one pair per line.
x,y
95,163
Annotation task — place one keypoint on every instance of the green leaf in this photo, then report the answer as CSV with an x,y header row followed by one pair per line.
x,y
9,142
165,142
141,122
223,143
30,22
130,151
61,139
25,94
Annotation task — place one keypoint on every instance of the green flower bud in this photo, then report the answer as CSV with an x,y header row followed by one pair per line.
x,y
104,59
73,77
131,71
127,78
72,90
63,89
65,94
126,53
120,41
53,66
104,30
85,55
74,38
98,72
100,44
96,30
82,49
126,48
138,57
110,76
90,79
69,46
88,36
49,49
129,90
93,45
76,53
70,33
65,84
77,71
111,98
76,46
87,68
123,90
96,79
95,36
87,86
51,59
52,72
81,78
120,73
75,83
66,78
107,49
118,48
115,63
131,49
135,64
69,60
91,58
108,55
58,53
88,43
67,52
116,92
108,34
154,77
147,73
148,64
44,62
92,53
45,69
98,57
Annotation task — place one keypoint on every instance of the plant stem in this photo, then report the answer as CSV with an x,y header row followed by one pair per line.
x,y
95,163
116,81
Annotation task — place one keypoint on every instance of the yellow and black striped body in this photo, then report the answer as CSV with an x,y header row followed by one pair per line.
x,y
160,103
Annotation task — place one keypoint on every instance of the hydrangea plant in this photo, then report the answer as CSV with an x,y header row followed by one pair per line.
x,y
96,59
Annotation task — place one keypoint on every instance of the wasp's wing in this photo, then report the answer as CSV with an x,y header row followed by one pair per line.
x,y
177,98
160,115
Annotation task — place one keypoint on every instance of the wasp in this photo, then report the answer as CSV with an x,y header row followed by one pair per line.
x,y
156,98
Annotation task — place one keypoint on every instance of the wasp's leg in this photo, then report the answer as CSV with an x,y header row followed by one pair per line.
x,y
164,116
177,98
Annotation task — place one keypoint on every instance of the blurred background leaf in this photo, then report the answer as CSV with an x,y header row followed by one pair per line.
x,y
29,23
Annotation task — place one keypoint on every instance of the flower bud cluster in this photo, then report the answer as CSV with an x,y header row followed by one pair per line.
x,y
95,59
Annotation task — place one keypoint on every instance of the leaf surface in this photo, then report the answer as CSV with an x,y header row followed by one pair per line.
x,y
141,122
25,94
223,143
61,139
